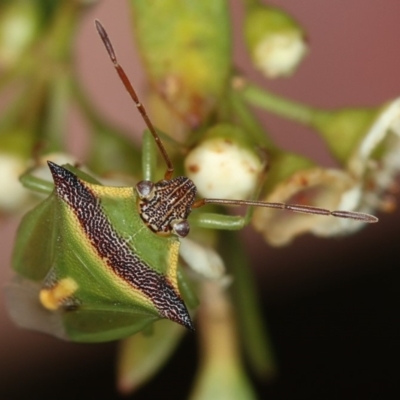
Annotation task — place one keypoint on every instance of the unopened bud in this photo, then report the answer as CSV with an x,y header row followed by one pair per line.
x,y
275,40
224,167
19,24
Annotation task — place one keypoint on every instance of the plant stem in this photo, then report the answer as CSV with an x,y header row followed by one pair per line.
x,y
61,33
278,105
249,121
256,340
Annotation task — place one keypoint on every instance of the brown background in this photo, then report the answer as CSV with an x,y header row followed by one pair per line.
x,y
330,304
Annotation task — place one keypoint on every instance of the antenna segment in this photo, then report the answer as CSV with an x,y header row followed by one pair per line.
x,y
125,80
304,209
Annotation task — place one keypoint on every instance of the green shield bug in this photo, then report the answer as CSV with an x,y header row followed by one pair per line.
x,y
97,263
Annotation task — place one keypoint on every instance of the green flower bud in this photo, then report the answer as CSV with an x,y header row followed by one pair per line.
x,y
343,129
186,48
380,142
224,164
276,42
19,25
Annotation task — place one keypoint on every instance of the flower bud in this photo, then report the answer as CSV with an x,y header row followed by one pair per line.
x,y
380,142
202,259
276,42
224,165
19,24
187,53
343,129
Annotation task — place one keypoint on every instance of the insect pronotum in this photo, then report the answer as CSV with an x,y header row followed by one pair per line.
x,y
98,263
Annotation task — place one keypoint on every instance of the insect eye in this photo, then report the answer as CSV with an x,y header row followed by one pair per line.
x,y
180,228
145,189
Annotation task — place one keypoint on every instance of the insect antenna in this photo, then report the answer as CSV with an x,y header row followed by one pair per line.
x,y
304,209
125,80
299,208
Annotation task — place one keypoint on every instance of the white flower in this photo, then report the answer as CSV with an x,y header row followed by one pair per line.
x,y
204,260
325,188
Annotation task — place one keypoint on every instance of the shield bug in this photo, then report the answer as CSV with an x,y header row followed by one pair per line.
x,y
97,263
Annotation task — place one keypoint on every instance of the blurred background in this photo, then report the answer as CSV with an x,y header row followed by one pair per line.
x,y
330,305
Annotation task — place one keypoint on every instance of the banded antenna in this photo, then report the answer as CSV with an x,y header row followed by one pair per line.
x,y
298,208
